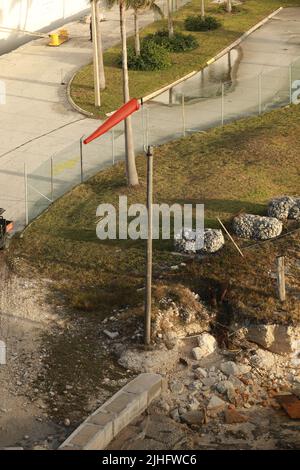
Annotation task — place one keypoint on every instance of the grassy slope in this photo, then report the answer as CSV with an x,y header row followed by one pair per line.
x,y
143,83
235,168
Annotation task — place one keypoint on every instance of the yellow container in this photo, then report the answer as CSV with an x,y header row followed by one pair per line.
x,y
56,39
63,34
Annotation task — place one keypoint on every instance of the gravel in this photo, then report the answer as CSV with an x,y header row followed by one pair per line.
x,y
284,207
256,227
194,241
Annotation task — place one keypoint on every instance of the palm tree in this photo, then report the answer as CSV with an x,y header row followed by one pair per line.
x,y
131,171
229,6
100,47
202,9
139,6
99,74
95,55
170,18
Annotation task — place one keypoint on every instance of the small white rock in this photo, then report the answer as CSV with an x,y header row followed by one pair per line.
x,y
111,334
231,368
216,403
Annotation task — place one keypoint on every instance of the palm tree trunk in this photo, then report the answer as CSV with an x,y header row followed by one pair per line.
x,y
100,48
95,55
202,9
132,176
170,18
137,42
229,6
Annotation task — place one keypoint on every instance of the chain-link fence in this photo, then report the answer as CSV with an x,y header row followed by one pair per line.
x,y
198,103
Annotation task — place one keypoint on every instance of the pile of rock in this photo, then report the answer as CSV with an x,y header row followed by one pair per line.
x,y
206,345
186,316
284,207
199,241
213,384
256,227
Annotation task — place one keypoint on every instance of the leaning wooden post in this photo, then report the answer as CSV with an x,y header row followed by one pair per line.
x,y
148,298
281,278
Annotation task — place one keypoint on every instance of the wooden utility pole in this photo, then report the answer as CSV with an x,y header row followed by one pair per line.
x,y
95,54
281,278
148,297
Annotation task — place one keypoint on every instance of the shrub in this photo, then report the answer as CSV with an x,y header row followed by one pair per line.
x,y
179,42
153,57
196,23
235,9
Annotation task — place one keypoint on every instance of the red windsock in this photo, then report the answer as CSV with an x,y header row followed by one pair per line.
x,y
122,113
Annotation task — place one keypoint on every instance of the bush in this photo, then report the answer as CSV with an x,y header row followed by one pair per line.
x,y
235,9
153,57
179,42
196,23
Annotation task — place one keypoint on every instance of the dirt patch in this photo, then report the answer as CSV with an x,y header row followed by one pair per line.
x,y
57,370
24,318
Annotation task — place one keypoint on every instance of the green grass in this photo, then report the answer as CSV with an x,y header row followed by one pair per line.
x,y
143,83
238,167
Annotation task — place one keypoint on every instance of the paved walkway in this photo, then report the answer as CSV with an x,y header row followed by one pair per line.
x,y
37,122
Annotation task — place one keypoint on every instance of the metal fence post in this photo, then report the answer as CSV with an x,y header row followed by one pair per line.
x,y
26,195
143,121
291,82
259,94
113,145
171,96
147,125
222,104
51,183
183,115
81,159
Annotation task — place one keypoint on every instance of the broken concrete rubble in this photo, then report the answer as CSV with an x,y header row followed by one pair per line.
x,y
231,368
263,359
233,417
291,404
219,387
158,360
193,417
175,320
279,339
207,345
225,386
216,404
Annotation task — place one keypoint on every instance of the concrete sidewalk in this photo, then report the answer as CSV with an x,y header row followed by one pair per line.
x,y
37,122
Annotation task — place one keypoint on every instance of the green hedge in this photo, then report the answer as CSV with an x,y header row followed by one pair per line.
x,y
196,23
153,57
179,42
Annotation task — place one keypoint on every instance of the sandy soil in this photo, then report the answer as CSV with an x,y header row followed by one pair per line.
x,y
57,369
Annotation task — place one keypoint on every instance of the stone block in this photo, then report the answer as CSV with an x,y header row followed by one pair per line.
x,y
126,406
91,437
149,383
